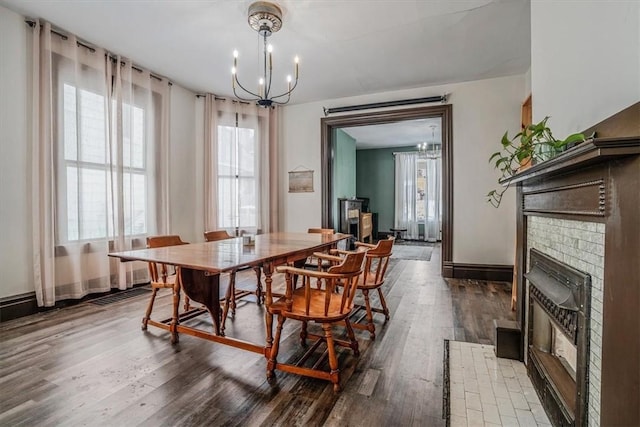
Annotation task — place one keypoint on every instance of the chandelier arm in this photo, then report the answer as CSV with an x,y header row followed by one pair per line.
x,y
264,68
282,102
268,88
287,92
244,89
241,98
267,71
280,96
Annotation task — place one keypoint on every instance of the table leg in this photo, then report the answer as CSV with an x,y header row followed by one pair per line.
x,y
259,293
267,269
203,287
173,326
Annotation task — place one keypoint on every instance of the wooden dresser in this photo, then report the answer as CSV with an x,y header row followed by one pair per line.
x,y
366,226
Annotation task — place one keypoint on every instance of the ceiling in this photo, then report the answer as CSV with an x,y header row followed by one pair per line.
x,y
346,48
398,134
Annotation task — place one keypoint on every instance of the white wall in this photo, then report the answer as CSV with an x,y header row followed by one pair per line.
x,y
482,111
585,61
15,208
15,212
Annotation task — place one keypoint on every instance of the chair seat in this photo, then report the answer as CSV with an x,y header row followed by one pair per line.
x,y
316,306
369,282
313,263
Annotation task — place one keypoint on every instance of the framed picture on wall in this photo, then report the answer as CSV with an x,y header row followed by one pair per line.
x,y
301,181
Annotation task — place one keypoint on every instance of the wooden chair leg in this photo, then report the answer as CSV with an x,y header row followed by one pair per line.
x,y
187,303
333,360
352,338
273,357
303,334
371,327
147,315
383,302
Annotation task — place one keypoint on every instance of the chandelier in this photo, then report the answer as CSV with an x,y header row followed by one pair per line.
x,y
430,150
266,19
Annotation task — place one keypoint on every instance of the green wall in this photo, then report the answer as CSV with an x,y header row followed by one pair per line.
x,y
344,170
375,177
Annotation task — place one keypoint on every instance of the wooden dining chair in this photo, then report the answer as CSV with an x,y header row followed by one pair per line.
x,y
163,277
318,263
373,276
232,294
325,306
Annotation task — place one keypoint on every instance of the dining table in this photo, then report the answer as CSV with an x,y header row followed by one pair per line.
x,y
200,265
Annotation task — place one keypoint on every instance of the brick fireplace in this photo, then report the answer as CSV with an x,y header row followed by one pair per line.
x,y
582,210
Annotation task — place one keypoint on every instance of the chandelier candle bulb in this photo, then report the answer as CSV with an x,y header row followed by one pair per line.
x,y
296,60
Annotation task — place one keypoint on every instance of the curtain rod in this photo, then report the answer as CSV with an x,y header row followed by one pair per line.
x,y
442,98
235,101
219,98
407,152
92,49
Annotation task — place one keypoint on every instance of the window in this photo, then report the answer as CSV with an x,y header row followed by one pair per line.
x,y
237,178
421,188
88,191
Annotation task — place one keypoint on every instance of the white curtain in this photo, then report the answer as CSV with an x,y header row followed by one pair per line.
x,y
241,181
432,199
99,164
406,194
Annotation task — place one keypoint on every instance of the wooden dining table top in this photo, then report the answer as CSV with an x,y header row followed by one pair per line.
x,y
226,255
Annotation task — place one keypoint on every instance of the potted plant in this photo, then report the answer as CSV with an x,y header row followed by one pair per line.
x,y
534,144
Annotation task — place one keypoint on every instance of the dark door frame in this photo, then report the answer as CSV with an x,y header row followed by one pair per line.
x,y
328,124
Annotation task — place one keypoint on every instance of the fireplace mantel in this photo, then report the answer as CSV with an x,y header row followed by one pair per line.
x,y
595,186
581,156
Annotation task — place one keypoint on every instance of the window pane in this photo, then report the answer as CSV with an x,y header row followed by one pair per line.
x,y
246,154
92,127
248,201
93,204
421,186
133,136
135,202
226,150
70,123
227,202
72,203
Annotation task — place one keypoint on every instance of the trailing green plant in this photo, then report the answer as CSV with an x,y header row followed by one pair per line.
x,y
535,143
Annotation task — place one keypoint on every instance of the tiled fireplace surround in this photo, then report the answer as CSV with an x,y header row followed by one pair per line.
x,y
582,208
580,245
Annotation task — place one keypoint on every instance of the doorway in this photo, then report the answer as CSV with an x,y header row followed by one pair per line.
x,y
444,112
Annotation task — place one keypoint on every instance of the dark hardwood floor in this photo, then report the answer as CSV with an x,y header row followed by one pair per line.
x,y
92,365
